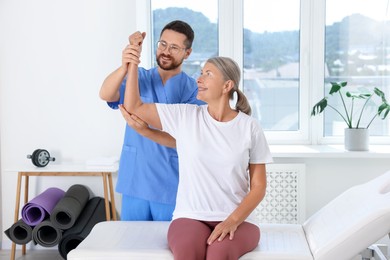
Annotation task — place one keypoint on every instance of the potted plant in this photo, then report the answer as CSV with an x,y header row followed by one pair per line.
x,y
354,128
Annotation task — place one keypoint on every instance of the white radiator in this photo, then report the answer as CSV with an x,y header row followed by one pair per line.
x,y
284,201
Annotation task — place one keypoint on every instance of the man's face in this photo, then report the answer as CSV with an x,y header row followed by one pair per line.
x,y
171,51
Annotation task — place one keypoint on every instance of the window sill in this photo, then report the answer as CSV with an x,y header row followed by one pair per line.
x,y
327,151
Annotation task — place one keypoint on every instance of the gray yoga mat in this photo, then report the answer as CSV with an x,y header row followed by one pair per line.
x,y
93,213
46,234
20,233
40,207
68,209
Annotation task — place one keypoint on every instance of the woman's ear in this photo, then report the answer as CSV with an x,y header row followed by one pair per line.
x,y
228,86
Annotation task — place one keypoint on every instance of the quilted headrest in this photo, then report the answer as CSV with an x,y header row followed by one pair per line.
x,y
351,222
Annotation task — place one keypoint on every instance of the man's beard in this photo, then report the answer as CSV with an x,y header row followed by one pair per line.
x,y
174,63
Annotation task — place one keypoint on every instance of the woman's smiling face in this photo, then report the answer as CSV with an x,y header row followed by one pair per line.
x,y
210,83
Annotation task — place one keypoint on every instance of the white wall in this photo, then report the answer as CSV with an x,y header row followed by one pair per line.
x,y
54,56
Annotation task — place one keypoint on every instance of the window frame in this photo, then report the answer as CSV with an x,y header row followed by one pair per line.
x,y
311,65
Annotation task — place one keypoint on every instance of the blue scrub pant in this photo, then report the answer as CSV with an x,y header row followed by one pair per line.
x,y
139,209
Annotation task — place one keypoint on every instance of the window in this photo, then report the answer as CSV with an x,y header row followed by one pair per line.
x,y
271,62
202,15
357,50
290,51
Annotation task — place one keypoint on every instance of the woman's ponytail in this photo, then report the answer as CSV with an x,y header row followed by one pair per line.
x,y
242,103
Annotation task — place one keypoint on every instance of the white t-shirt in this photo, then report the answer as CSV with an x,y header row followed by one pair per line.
x,y
213,159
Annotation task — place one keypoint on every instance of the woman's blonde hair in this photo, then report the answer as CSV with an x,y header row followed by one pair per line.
x,y
231,71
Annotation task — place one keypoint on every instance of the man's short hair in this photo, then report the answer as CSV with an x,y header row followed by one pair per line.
x,y
183,28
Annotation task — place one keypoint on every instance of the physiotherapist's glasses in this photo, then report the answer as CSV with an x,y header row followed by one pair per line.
x,y
173,49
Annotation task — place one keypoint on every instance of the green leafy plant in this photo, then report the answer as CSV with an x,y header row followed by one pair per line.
x,y
347,115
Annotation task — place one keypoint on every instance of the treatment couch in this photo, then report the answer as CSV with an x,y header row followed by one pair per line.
x,y
340,230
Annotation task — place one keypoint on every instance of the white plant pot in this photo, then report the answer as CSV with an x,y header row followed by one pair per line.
x,y
356,139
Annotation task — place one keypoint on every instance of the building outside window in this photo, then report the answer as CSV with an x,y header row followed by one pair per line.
x,y
272,61
357,50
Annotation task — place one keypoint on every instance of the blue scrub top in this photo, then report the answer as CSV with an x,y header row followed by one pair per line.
x,y
148,170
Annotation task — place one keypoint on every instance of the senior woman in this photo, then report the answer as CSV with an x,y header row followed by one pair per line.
x,y
222,162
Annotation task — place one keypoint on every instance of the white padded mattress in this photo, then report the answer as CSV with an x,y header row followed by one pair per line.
x,y
144,240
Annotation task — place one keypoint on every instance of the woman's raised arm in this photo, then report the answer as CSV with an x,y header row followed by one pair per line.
x,y
132,101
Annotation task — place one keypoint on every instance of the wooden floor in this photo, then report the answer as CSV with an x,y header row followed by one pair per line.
x,y
49,254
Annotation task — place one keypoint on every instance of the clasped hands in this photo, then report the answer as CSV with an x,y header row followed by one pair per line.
x,y
132,53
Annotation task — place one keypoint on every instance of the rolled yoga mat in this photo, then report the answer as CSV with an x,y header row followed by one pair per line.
x,y
20,233
68,209
40,207
47,235
93,213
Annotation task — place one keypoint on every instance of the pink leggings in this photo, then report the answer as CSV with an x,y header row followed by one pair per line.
x,y
187,239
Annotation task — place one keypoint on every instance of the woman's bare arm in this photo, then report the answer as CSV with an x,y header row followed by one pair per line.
x,y
132,100
258,185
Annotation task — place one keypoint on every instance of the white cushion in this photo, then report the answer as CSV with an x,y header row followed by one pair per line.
x,y
351,222
144,240
281,241
123,240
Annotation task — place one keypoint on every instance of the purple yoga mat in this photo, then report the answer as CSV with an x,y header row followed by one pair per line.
x,y
40,207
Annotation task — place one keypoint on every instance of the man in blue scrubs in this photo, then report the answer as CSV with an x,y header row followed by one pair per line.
x,y
148,172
